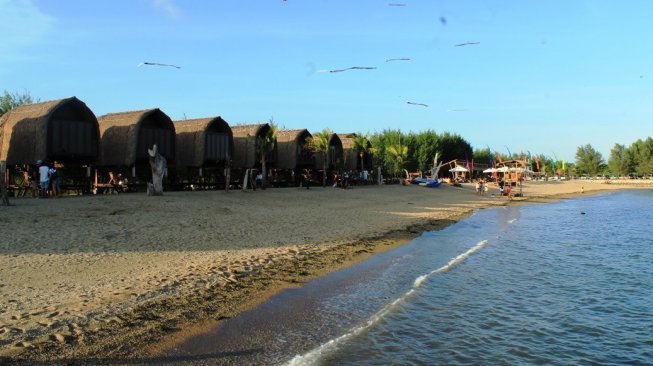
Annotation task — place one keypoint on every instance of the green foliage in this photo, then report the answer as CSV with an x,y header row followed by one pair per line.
x,y
266,143
319,144
622,161
454,147
642,151
427,145
10,101
398,153
420,149
588,160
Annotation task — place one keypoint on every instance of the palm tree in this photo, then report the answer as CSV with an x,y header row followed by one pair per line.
x,y
399,153
363,146
266,144
319,144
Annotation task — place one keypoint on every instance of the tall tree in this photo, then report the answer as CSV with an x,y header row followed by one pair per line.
x,y
10,101
266,144
642,151
622,161
588,160
319,144
380,141
454,147
399,153
362,146
428,144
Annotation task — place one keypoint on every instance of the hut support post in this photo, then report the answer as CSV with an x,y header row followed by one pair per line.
x,y
3,184
227,177
159,165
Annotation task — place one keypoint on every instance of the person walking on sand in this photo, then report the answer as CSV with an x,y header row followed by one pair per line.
x,y
44,178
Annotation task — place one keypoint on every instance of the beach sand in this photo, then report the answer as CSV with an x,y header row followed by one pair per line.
x,y
101,278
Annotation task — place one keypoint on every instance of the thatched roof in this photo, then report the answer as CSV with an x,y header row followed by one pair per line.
x,y
125,139
49,131
291,151
192,140
351,157
245,141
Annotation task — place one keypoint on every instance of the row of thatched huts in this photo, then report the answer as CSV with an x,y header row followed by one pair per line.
x,y
67,131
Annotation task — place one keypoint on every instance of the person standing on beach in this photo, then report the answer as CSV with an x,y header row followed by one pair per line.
x,y
53,176
44,178
307,178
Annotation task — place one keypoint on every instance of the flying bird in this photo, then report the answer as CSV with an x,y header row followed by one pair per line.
x,y
397,59
349,68
467,44
157,64
420,104
391,4
456,110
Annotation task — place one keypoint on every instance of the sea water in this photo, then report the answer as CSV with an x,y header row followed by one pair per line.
x,y
567,283
564,283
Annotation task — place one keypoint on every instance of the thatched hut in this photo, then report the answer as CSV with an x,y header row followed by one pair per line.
x,y
126,136
334,159
351,157
334,155
293,155
204,149
63,130
246,149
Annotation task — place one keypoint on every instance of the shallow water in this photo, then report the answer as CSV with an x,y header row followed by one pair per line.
x,y
563,283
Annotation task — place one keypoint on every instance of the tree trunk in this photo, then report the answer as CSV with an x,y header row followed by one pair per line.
x,y
324,177
158,164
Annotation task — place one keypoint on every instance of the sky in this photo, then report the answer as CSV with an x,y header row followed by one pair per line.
x,y
539,76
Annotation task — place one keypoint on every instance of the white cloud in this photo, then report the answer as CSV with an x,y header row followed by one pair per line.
x,y
168,7
22,25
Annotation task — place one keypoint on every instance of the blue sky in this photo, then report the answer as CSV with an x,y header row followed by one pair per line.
x,y
546,76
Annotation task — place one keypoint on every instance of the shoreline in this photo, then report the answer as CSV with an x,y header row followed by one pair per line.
x,y
215,284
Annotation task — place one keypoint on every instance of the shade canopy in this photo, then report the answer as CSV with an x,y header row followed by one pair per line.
x,y
458,169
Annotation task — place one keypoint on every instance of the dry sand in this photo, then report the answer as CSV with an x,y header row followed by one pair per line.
x,y
93,279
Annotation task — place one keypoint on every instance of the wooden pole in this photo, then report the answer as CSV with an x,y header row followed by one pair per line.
x,y
3,184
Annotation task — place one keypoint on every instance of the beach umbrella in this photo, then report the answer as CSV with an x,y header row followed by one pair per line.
x,y
490,170
458,169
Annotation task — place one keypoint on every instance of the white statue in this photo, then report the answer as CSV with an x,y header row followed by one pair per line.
x,y
159,165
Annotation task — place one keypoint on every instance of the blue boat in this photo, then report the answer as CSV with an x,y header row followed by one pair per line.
x,y
427,182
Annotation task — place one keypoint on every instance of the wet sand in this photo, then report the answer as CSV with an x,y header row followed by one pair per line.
x,y
97,279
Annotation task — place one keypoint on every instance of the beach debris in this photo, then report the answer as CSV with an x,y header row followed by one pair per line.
x,y
157,64
398,59
349,68
419,104
467,44
159,166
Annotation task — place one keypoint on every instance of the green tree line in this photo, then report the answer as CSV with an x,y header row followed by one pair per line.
x,y
633,160
394,150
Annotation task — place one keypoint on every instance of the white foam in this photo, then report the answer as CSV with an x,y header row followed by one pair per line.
x,y
315,355
512,221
